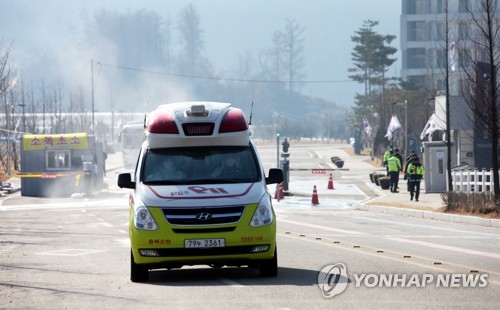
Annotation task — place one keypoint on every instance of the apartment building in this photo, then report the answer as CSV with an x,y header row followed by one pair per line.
x,y
423,33
423,36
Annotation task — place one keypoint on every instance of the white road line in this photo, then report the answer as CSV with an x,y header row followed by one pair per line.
x,y
57,207
123,242
427,226
447,247
232,283
353,232
70,252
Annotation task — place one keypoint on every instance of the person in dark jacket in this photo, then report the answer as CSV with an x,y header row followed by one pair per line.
x,y
396,153
415,173
408,161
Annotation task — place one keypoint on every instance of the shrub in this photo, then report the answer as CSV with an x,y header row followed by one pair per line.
x,y
480,203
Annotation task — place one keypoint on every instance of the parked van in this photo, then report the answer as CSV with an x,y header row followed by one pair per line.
x,y
200,193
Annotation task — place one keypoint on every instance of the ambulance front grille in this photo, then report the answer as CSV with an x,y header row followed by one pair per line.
x,y
203,215
198,129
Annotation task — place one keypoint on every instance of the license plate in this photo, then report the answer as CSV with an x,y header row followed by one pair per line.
x,y
204,243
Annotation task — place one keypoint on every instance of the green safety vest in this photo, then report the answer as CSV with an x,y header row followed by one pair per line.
x,y
394,164
387,154
415,170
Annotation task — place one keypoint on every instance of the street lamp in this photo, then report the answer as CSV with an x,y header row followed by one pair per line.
x,y
406,128
277,150
92,74
8,112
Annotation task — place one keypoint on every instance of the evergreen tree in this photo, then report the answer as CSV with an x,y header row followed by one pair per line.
x,y
371,56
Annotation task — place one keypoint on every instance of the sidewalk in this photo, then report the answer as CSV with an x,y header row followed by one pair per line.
x,y
349,196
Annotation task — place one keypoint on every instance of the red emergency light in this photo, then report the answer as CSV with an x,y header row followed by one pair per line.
x,y
234,120
162,122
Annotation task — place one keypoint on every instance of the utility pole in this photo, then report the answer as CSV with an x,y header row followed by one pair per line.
x,y
447,78
92,73
406,129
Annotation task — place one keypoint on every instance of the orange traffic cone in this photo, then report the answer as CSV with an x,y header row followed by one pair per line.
x,y
315,200
330,182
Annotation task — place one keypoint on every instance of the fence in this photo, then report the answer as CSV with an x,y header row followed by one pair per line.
x,y
478,181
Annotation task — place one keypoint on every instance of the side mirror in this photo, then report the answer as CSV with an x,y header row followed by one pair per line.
x,y
275,176
125,181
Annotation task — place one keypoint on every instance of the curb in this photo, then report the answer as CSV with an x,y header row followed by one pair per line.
x,y
452,218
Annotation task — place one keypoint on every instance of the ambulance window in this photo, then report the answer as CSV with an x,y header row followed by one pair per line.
x,y
58,160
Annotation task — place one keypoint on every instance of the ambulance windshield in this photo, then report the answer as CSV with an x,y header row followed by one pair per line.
x,y
200,165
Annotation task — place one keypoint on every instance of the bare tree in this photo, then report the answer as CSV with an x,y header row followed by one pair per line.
x,y
293,45
447,82
480,60
190,33
7,81
7,72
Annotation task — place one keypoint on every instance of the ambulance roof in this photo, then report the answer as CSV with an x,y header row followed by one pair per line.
x,y
196,123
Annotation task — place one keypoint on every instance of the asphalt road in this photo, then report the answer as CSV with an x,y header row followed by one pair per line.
x,y
74,254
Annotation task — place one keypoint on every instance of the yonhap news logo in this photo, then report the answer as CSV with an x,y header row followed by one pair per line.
x,y
333,280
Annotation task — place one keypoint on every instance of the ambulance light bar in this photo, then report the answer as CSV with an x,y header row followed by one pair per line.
x,y
234,120
161,122
190,124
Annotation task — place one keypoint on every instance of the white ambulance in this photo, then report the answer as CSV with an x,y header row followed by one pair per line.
x,y
200,193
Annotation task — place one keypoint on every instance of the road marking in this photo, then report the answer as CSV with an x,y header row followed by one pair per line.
x,y
123,242
58,207
232,283
70,252
376,255
427,226
323,227
397,259
390,229
446,247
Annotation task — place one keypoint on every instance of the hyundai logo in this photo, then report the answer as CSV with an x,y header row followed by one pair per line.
x,y
203,216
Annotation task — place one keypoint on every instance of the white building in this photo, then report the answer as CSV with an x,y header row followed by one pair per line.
x,y
423,33
423,37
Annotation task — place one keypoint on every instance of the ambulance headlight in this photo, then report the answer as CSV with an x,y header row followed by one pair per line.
x,y
143,218
264,213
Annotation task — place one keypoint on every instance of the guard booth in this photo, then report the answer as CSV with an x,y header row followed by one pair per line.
x,y
435,162
60,165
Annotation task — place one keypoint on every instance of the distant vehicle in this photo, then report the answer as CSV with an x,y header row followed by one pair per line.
x,y
131,138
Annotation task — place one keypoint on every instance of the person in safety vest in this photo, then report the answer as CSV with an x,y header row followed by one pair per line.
x,y
387,154
415,173
394,166
408,161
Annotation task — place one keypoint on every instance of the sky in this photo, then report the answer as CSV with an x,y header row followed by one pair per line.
x,y
231,28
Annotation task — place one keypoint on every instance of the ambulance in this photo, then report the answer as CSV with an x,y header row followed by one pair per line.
x,y
200,193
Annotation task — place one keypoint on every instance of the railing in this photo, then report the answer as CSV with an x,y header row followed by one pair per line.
x,y
479,181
